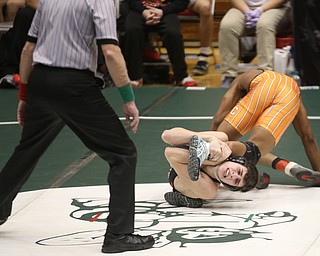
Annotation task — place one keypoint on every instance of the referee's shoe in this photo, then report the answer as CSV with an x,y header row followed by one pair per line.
x,y
114,243
3,221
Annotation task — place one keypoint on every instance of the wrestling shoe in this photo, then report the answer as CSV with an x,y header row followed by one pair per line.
x,y
3,221
302,174
128,242
263,181
199,150
177,199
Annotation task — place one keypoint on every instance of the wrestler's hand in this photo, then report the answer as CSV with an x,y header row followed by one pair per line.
x,y
219,151
132,115
21,112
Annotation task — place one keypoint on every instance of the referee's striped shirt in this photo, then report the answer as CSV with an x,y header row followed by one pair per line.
x,y
66,32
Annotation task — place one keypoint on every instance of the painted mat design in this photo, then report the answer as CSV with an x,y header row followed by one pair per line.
x,y
282,220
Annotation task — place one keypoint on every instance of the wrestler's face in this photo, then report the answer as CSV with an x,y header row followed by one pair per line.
x,y
232,173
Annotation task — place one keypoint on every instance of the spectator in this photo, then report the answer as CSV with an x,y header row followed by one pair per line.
x,y
204,9
12,42
9,9
307,40
261,17
161,17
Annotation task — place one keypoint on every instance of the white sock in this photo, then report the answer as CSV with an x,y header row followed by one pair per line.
x,y
288,168
206,50
204,54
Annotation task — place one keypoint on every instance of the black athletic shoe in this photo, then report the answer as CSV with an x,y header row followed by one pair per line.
x,y
129,242
227,81
177,199
263,181
201,68
3,221
302,174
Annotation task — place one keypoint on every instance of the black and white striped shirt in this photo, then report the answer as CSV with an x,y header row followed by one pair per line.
x,y
66,32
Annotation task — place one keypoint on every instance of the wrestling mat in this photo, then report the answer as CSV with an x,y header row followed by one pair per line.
x,y
280,220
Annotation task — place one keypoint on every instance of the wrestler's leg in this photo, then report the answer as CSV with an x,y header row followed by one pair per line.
x,y
203,188
260,137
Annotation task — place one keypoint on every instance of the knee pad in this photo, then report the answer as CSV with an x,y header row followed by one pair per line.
x,y
252,153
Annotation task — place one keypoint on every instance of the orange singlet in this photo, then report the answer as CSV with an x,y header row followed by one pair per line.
x,y
272,103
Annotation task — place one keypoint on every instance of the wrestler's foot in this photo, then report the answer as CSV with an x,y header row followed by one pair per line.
x,y
199,150
263,181
302,174
177,199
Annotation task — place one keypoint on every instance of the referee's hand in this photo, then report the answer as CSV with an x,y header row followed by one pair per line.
x,y
20,112
132,115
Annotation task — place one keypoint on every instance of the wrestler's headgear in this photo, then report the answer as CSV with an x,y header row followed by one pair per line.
x,y
252,152
251,177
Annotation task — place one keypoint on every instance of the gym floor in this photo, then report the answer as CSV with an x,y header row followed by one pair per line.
x,y
61,210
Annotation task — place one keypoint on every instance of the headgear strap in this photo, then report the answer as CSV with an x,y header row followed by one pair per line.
x,y
252,153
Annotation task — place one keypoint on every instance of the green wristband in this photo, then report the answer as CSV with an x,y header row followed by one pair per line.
x,y
126,93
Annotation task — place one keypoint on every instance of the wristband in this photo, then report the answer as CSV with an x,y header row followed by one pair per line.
x,y
126,93
22,91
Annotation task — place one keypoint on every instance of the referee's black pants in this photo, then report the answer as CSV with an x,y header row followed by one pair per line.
x,y
58,97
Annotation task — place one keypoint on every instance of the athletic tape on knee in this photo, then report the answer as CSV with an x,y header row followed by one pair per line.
x,y
252,153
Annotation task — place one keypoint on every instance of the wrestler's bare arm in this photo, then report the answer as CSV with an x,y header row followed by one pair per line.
x,y
303,128
180,136
219,150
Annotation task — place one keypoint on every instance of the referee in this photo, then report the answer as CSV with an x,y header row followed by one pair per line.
x,y
58,88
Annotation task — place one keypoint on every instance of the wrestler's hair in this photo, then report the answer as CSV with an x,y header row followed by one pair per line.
x,y
251,177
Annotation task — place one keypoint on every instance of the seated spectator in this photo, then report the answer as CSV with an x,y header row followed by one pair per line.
x,y
261,17
162,18
204,9
12,42
149,52
307,40
9,9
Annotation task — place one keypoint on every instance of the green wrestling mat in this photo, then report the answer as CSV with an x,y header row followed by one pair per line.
x,y
68,163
